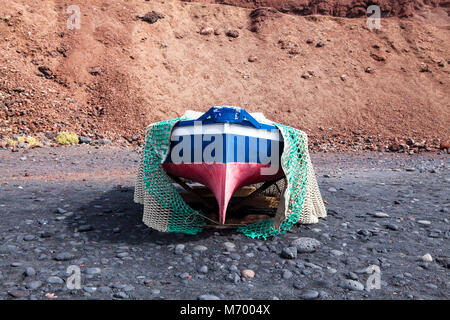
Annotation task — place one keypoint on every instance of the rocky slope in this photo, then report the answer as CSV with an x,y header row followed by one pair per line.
x,y
135,62
340,8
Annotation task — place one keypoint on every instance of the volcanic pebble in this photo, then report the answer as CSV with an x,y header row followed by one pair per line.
x,y
309,294
306,245
248,274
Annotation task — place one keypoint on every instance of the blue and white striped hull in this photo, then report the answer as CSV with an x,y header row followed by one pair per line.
x,y
224,157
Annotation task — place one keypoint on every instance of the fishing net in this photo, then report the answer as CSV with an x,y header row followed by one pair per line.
x,y
165,210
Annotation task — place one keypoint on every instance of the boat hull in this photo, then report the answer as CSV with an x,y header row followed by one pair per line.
x,y
224,151
223,179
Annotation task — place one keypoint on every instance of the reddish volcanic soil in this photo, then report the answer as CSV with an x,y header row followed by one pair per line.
x,y
310,64
339,8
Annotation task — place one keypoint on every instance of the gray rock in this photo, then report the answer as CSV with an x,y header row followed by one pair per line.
x,y
85,228
331,270
235,256
104,289
33,285
306,245
233,33
407,274
263,248
424,265
352,275
312,265
443,261
364,232
336,253
435,233
299,284
90,289
324,295
29,237
352,285
233,268
117,286
229,245
233,277
122,254
60,210
93,271
179,248
29,272
309,294
64,256
43,221
203,269
431,286
86,140
200,248
208,297
392,227
44,234
289,253
55,280
120,295
287,274
184,275
380,215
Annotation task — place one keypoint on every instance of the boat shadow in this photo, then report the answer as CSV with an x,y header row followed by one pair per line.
x,y
114,217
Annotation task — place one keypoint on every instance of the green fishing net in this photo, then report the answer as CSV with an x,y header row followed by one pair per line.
x,y
182,218
294,164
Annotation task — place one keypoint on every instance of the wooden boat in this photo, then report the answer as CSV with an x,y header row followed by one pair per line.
x,y
225,149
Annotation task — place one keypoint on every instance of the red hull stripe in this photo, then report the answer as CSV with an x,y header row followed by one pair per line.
x,y
223,179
